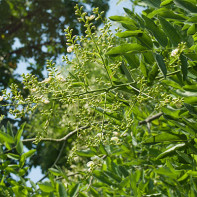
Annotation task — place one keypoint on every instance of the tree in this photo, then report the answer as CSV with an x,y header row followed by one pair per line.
x,y
134,127
38,28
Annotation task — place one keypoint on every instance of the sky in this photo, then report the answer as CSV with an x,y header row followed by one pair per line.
x,y
35,174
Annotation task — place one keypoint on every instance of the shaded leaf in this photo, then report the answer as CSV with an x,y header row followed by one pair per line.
x,y
186,5
161,64
170,31
156,31
75,190
62,190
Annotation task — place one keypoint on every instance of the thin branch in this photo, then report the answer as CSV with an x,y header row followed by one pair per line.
x,y
60,139
150,119
57,159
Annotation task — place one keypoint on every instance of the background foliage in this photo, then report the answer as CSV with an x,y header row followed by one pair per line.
x,y
124,109
33,31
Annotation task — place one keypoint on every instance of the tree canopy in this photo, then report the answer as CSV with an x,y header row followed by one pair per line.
x,y
121,115
35,29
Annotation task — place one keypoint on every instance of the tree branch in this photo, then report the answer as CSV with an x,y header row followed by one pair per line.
x,y
60,139
150,119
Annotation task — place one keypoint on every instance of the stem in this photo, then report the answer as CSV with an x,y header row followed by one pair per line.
x,y
104,64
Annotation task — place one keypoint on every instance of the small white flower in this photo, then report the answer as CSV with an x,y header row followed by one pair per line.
x,y
115,139
70,49
95,158
1,98
92,17
99,135
47,80
90,164
45,101
174,52
34,90
116,133
60,78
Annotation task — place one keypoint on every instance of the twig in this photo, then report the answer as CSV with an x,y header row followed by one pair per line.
x,y
149,119
61,139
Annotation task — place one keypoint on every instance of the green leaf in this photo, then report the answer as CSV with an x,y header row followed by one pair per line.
x,y
126,72
153,73
170,31
191,56
152,3
166,13
165,137
46,187
113,176
102,149
166,2
123,170
132,60
62,190
55,172
75,190
102,177
184,66
186,5
29,153
143,69
186,93
4,137
192,19
126,48
133,184
166,171
85,153
145,40
136,18
127,34
171,151
19,133
94,192
9,129
184,156
121,18
192,30
156,31
13,156
19,147
191,109
125,182
161,64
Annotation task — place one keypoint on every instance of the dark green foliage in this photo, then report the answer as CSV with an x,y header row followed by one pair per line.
x,y
138,134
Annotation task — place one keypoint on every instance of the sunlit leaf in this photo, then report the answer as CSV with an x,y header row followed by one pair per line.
x,y
126,48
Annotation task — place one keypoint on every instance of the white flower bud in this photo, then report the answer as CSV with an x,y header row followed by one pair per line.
x,y
60,78
90,164
99,135
92,17
115,139
47,80
116,133
1,98
95,158
45,101
70,49
174,52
